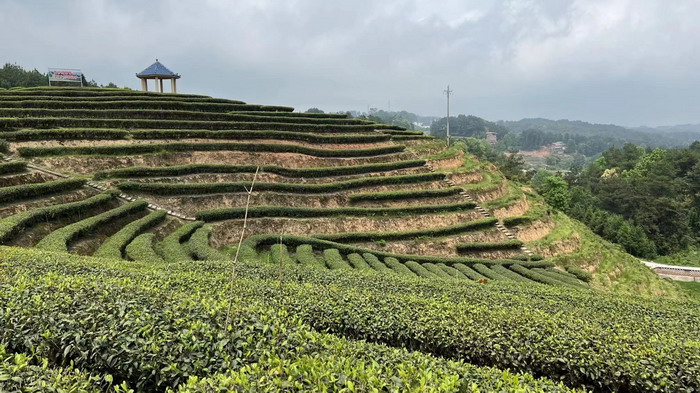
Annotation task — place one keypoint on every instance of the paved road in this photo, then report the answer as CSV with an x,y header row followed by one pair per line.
x,y
680,273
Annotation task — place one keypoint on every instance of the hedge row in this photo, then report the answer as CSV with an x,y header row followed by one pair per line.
x,y
115,245
142,249
412,137
33,190
292,188
201,249
403,195
398,267
305,256
457,229
509,274
309,212
419,270
252,243
191,169
356,261
64,134
258,134
157,114
172,249
404,132
468,272
517,220
489,246
299,114
11,167
579,273
59,239
127,103
334,260
559,276
452,271
535,276
279,255
164,328
375,263
90,92
433,268
488,272
69,122
115,98
9,226
189,147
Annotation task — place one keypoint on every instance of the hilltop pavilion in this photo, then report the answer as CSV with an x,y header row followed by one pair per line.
x,y
159,72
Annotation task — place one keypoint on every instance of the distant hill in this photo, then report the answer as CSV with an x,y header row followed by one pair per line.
x,y
673,136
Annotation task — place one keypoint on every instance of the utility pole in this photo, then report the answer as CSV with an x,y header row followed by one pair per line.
x,y
448,92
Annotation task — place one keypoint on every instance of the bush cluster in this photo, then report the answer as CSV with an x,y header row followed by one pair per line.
x,y
163,328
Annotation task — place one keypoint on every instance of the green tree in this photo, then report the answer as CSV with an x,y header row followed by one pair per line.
x,y
555,191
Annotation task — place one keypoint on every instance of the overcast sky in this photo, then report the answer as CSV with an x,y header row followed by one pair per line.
x,y
629,62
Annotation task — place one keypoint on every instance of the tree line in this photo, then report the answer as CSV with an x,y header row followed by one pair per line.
x,y
647,200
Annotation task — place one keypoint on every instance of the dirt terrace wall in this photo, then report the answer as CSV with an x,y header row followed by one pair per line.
x,y
448,163
534,231
91,164
519,208
489,195
111,142
268,177
227,232
559,247
466,177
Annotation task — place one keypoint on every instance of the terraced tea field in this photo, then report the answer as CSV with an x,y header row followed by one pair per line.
x,y
89,169
371,258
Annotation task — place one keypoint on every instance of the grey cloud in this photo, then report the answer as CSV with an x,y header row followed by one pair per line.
x,y
623,61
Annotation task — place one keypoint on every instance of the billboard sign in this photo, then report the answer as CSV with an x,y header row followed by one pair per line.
x,y
65,75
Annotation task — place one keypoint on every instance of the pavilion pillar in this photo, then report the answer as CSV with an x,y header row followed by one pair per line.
x,y
173,85
144,85
161,85
156,85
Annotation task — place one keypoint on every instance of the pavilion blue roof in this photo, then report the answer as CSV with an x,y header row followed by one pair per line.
x,y
157,69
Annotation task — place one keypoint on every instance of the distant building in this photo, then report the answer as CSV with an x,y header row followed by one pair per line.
x,y
491,137
557,148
